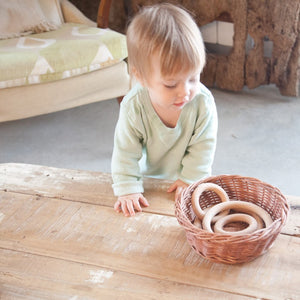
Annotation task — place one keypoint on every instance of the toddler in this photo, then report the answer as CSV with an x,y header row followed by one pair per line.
x,y
167,125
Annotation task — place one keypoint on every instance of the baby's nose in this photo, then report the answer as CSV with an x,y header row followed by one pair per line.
x,y
184,92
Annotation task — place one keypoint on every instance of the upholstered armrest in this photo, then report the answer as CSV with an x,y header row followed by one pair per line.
x,y
72,14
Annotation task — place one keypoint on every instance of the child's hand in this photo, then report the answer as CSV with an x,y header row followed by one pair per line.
x,y
178,186
129,203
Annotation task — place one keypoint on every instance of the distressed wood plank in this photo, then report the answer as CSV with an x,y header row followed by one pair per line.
x,y
292,226
148,245
26,275
95,188
82,186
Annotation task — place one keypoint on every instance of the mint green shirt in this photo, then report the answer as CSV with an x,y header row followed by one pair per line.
x,y
145,146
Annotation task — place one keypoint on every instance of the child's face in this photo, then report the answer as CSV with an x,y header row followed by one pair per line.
x,y
172,92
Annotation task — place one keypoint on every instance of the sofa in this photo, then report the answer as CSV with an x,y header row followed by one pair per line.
x,y
52,58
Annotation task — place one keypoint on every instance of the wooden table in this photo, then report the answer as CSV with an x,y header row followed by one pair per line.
x,y
61,239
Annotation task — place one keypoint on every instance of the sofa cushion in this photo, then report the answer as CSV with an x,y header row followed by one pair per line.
x,y
71,50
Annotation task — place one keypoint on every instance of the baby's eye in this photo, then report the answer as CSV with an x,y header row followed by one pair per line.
x,y
170,86
193,80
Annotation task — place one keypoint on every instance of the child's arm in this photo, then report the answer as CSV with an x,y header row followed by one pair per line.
x,y
126,174
198,159
129,203
127,151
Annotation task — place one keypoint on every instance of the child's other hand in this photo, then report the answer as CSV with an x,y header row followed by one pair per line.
x,y
178,186
129,203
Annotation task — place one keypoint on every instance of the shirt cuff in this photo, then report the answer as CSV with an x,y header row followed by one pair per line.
x,y
128,187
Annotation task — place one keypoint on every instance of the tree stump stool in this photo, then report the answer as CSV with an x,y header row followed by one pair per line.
x,y
257,20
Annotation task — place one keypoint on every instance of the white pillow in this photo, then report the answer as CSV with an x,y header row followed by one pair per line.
x,y
23,17
52,11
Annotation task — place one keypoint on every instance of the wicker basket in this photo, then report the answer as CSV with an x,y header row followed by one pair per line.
x,y
223,248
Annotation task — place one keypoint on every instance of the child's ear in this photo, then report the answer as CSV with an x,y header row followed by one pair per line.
x,y
137,75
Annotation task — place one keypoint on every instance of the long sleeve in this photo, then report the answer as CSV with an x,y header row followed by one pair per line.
x,y
127,152
199,155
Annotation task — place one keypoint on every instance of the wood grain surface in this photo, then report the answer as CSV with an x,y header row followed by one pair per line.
x,y
61,239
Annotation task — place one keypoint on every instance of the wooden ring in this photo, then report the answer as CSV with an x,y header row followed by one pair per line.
x,y
242,206
218,216
252,224
260,223
199,190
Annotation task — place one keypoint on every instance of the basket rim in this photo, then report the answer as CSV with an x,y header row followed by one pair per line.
x,y
207,179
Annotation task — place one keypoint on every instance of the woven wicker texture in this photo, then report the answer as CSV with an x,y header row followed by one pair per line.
x,y
225,248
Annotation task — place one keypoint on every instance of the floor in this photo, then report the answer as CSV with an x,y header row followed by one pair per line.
x,y
259,136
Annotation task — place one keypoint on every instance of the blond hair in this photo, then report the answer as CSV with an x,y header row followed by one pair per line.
x,y
171,33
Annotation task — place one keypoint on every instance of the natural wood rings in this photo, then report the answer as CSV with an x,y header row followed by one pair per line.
x,y
198,192
240,206
252,214
252,224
